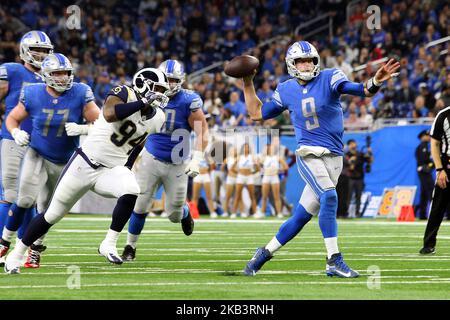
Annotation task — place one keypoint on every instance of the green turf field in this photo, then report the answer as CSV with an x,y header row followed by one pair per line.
x,y
207,264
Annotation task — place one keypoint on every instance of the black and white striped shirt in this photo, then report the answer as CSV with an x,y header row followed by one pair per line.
x,y
441,130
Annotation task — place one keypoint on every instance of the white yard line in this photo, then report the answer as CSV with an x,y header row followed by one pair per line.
x,y
244,283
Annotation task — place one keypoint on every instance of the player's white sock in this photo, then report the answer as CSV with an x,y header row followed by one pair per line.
x,y
20,249
331,245
274,245
112,237
8,235
132,239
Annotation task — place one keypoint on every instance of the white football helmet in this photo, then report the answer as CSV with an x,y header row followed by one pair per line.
x,y
57,62
302,49
32,40
148,81
173,70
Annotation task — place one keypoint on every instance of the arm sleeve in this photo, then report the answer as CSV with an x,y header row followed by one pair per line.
x,y
341,85
273,108
353,88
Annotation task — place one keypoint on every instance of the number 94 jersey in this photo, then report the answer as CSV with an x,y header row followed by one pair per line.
x,y
110,143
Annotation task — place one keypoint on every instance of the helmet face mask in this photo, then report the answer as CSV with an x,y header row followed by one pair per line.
x,y
57,72
302,50
174,71
150,80
34,47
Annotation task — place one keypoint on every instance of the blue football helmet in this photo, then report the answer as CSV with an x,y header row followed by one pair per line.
x,y
173,70
57,62
33,40
302,49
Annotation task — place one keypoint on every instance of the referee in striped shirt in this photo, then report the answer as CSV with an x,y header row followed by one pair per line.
x,y
440,151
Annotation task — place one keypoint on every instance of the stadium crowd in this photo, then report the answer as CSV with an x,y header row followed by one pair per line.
x,y
117,38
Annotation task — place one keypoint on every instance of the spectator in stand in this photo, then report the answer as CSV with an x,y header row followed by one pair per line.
x,y
237,108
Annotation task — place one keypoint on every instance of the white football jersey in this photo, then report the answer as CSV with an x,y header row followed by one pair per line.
x,y
110,143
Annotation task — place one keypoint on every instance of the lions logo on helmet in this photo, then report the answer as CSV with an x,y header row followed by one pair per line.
x,y
149,81
302,50
174,71
57,72
31,41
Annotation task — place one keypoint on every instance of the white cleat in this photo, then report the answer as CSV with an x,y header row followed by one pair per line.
x,y
110,253
213,215
13,263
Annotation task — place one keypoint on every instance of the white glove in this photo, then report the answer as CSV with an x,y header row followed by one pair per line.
x,y
21,137
156,99
75,129
193,167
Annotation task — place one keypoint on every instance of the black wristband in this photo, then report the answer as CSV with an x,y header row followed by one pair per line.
x,y
439,169
124,110
371,87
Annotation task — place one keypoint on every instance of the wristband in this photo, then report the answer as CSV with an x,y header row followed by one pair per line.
x,y
371,86
439,169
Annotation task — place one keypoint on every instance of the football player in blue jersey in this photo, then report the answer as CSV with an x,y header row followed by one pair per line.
x,y
50,107
34,47
312,98
164,159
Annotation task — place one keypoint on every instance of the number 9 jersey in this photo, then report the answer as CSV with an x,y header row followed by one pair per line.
x,y
315,110
110,143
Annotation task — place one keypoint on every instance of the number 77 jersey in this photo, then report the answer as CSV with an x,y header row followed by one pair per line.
x,y
110,143
315,109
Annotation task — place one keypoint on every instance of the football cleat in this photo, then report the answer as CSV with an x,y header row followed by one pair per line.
x,y
110,253
261,256
13,263
427,251
129,253
4,247
337,267
34,256
187,224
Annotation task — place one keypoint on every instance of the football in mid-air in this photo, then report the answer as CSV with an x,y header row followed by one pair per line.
x,y
241,66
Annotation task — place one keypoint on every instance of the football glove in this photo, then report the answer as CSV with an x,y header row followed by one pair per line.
x,y
75,129
155,99
193,167
21,137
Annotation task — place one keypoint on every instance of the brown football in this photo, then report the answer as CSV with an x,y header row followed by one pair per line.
x,y
241,66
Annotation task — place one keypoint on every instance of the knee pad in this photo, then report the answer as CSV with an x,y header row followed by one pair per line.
x,y
128,181
25,202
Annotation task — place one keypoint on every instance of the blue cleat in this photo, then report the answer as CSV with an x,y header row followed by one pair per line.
x,y
187,224
336,266
262,255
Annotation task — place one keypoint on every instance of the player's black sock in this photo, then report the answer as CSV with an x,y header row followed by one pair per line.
x,y
122,211
36,229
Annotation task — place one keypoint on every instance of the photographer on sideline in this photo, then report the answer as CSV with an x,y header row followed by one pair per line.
x,y
356,160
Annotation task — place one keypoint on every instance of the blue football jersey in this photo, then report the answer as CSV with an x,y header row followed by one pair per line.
x,y
49,115
18,77
173,143
315,109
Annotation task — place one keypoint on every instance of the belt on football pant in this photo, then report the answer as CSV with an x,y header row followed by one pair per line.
x,y
93,165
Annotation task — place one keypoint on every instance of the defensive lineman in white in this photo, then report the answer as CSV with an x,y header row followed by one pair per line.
x,y
104,161
164,161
